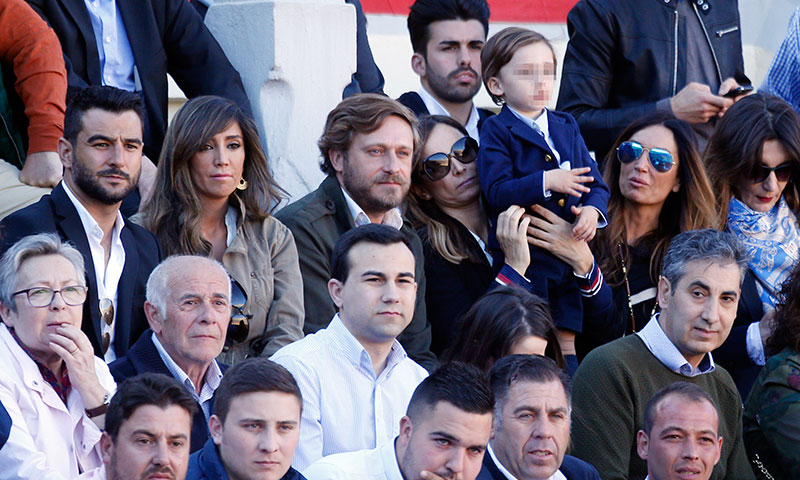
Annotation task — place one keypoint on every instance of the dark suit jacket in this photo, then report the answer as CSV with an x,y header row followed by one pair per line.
x,y
5,425
572,468
55,213
166,36
511,162
317,221
733,353
144,358
413,101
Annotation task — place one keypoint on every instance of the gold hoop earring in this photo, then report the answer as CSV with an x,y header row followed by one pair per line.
x,y
242,184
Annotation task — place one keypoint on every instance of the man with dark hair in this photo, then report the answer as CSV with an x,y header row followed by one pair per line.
x,y
444,434
355,377
255,426
188,308
148,424
447,37
531,423
367,150
102,153
698,294
628,58
679,436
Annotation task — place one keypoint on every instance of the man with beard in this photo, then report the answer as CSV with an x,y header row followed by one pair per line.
x,y
367,149
148,424
442,436
447,37
102,153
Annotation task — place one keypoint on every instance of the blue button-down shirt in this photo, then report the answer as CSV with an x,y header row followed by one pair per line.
x,y
667,353
116,57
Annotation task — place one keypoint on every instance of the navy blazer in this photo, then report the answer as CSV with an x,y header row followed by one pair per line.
x,y
513,156
144,358
55,213
414,102
5,425
205,464
572,468
166,36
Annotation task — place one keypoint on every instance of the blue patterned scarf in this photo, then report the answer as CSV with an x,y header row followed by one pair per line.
x,y
773,241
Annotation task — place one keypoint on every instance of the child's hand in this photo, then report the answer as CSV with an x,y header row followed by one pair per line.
x,y
586,223
567,181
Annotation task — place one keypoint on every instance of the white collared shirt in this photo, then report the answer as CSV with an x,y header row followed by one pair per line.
x,y
346,407
375,464
667,353
436,108
106,275
393,217
556,476
210,381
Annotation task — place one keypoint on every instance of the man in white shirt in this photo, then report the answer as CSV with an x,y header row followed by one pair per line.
x,y
444,434
679,438
102,154
367,150
447,37
354,375
531,424
148,425
188,306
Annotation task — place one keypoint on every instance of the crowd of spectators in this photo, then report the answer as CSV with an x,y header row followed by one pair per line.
x,y
609,291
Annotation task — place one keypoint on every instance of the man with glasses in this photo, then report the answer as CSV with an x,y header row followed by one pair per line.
x,y
102,153
698,293
367,150
188,307
55,390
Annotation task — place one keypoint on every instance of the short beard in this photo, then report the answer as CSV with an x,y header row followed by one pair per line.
x,y
443,89
113,473
87,181
360,190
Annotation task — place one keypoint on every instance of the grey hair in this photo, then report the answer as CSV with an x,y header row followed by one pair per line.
x,y
158,282
722,248
30,247
529,368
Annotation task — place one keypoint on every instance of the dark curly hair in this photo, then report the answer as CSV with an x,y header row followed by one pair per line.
x,y
786,332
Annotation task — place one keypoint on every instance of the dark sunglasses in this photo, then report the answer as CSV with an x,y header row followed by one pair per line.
x,y
661,159
437,166
239,325
783,172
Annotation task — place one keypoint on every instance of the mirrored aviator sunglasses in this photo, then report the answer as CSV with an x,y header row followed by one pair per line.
x,y
437,166
660,159
783,172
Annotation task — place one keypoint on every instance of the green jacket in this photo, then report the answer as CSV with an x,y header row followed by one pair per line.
x,y
13,123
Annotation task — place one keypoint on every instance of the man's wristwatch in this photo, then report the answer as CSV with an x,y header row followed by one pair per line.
x,y
101,410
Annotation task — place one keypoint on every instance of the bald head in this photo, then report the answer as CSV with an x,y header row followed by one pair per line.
x,y
169,273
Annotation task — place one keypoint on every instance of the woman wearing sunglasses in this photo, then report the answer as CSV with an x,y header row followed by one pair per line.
x,y
445,205
658,189
752,160
213,197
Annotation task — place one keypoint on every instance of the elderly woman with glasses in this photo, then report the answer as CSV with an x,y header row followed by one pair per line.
x,y
752,160
54,388
658,189
445,206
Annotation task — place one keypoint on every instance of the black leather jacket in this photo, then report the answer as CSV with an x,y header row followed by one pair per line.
x,y
622,58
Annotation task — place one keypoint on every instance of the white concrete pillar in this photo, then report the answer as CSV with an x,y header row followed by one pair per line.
x,y
295,57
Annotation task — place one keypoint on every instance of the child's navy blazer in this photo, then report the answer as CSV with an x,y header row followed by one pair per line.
x,y
513,156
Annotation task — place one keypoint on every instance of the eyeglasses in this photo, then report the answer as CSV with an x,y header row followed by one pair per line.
x,y
437,166
239,325
43,296
661,159
106,319
783,172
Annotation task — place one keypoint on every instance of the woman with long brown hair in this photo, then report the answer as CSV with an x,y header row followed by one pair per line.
x,y
659,188
213,196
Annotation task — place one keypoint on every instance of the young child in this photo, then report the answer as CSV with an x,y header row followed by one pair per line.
x,y
530,155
